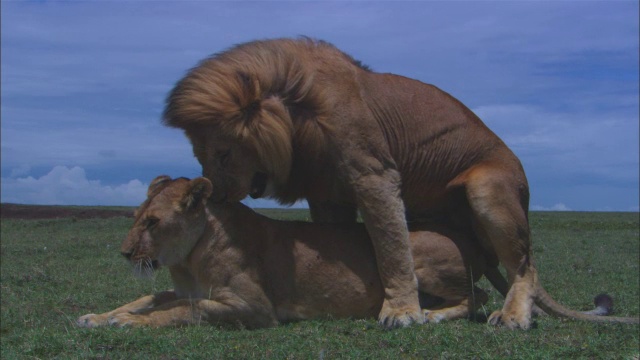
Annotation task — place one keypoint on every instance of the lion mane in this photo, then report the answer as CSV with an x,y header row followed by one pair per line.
x,y
268,97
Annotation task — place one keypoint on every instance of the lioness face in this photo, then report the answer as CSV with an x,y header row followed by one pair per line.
x,y
167,225
233,169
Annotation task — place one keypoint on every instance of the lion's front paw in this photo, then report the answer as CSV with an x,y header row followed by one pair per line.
x,y
127,319
91,321
510,321
403,317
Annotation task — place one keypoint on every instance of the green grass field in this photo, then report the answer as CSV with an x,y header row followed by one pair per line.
x,y
53,271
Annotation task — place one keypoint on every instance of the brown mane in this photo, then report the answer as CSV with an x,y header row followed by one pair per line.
x,y
262,87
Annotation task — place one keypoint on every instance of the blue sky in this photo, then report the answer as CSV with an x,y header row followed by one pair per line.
x,y
84,82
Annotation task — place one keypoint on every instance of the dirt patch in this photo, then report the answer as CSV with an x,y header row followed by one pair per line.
x,y
16,211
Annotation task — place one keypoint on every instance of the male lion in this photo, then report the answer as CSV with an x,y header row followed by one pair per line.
x,y
230,265
299,119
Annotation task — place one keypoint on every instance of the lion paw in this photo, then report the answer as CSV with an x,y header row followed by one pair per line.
x,y
91,321
510,321
392,319
433,317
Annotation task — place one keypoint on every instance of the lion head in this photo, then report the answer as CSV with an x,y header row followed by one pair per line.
x,y
249,111
233,167
168,224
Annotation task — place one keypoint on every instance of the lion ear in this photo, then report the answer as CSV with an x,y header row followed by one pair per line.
x,y
199,190
155,182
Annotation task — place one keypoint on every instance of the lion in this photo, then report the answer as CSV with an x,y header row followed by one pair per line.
x,y
293,119
230,265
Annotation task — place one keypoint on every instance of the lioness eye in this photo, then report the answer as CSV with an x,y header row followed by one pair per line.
x,y
150,222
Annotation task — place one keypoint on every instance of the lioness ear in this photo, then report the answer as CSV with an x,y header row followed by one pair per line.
x,y
155,182
199,190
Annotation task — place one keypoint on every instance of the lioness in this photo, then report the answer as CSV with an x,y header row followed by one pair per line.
x,y
299,119
231,265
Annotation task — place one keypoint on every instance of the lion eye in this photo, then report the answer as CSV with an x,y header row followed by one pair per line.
x,y
150,222
224,157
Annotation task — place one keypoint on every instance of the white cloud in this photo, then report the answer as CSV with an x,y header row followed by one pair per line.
x,y
548,142
70,186
556,207
269,203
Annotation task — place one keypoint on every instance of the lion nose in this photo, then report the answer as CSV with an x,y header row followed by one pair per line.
x,y
127,254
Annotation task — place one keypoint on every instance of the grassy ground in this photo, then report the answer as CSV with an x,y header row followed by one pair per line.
x,y
53,271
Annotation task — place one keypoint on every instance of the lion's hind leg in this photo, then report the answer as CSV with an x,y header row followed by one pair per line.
x,y
498,197
500,283
452,309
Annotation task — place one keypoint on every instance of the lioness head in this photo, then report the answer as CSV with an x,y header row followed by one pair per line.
x,y
168,224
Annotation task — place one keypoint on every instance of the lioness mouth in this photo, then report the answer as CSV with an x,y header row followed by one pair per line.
x,y
145,268
258,185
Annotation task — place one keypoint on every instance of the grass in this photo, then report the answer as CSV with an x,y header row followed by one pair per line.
x,y
53,271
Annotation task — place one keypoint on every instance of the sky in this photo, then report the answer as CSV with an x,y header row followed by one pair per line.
x,y
83,85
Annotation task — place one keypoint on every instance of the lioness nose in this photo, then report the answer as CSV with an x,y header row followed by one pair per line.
x,y
127,255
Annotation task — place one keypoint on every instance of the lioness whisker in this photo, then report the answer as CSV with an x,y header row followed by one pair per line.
x,y
148,268
143,269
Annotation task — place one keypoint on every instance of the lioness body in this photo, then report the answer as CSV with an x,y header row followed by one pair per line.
x,y
231,265
294,119
307,270
239,266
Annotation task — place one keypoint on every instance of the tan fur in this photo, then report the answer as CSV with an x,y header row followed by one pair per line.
x,y
230,265
307,121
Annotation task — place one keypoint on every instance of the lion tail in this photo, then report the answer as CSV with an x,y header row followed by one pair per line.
x,y
603,302
604,305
